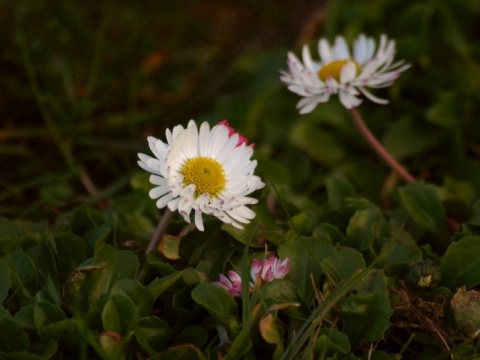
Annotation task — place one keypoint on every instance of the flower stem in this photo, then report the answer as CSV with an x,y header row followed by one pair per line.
x,y
159,231
378,147
153,244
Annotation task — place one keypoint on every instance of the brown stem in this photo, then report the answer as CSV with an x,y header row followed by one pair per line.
x,y
153,244
378,147
161,227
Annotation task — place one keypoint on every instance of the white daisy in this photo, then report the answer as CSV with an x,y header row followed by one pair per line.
x,y
205,170
338,72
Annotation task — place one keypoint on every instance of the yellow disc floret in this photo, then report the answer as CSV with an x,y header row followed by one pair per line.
x,y
333,69
206,174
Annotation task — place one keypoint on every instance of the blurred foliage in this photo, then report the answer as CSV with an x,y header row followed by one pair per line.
x,y
375,264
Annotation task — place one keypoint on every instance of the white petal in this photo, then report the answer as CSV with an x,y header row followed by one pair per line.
x,y
163,201
348,72
158,191
348,99
340,49
372,97
324,51
157,180
199,221
307,58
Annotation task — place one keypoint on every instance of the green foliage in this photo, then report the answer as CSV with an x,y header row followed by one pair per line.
x,y
379,269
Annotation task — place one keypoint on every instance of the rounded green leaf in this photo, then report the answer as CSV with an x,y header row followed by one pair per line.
x,y
366,314
363,228
218,302
45,313
12,336
460,266
119,313
423,204
152,334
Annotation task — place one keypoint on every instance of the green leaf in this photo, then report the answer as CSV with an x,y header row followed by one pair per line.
x,y
282,292
46,313
152,334
366,314
113,265
119,314
71,251
182,352
4,280
99,282
86,219
11,237
192,276
338,188
24,317
363,228
64,331
160,285
195,335
218,302
304,266
424,206
98,235
43,257
395,253
461,263
139,294
12,336
331,341
342,263
159,263
23,274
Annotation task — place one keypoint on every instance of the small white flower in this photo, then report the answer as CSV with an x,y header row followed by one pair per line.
x,y
204,170
338,72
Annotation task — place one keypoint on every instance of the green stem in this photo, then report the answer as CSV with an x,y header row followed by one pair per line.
x,y
378,147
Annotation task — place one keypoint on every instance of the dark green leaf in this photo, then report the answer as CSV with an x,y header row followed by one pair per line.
x,y
152,334
46,313
461,263
195,335
218,302
12,336
331,341
182,352
342,263
338,188
139,294
119,314
363,228
23,274
159,285
366,314
4,280
423,205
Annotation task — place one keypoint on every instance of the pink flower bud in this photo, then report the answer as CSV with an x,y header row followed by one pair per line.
x,y
231,131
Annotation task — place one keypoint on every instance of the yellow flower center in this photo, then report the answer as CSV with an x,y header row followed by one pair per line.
x,y
206,173
333,69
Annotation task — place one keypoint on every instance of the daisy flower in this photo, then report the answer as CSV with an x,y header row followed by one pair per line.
x,y
232,283
267,270
270,269
207,171
338,72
